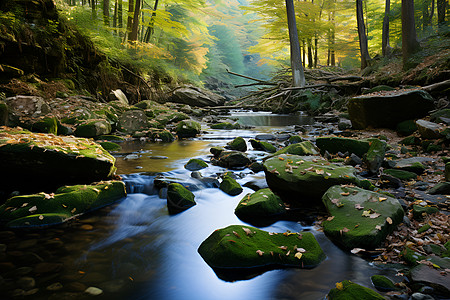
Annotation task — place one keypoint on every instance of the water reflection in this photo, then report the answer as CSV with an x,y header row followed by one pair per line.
x,y
272,120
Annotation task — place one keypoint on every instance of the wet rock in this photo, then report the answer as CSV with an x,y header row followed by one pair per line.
x,y
132,121
400,174
305,177
351,291
93,128
262,205
391,181
179,198
262,146
441,116
195,164
26,283
232,160
257,184
54,287
430,277
442,188
225,125
75,287
207,182
429,130
187,129
375,155
410,141
256,167
353,160
360,218
216,151
93,291
344,124
238,246
237,144
195,96
447,171
45,267
420,296
388,109
337,144
302,148
49,209
406,128
412,164
230,186
382,283
265,137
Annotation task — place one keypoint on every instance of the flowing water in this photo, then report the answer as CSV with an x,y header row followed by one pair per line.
x,y
136,250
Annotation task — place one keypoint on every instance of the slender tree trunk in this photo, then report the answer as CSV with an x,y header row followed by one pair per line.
x,y
409,37
106,12
135,26
363,46
298,76
332,51
425,14
151,28
120,14
441,8
130,16
432,12
94,9
116,4
385,47
310,55
303,53
316,50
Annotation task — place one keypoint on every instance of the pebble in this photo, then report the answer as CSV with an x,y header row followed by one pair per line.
x,y
23,271
27,244
26,283
54,287
86,227
420,296
93,291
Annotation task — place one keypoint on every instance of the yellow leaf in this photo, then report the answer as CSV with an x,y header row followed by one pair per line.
x,y
382,199
339,286
281,158
298,255
389,220
345,193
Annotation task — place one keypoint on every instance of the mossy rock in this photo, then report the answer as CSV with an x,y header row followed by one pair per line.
x,y
111,138
305,177
302,148
383,284
337,144
412,164
179,198
67,202
440,115
237,144
55,161
407,127
225,125
360,218
419,212
93,128
195,164
263,146
3,113
259,206
147,104
238,246
295,139
347,290
110,146
411,257
78,115
161,135
132,121
401,174
380,88
187,129
216,151
410,141
375,155
230,186
232,160
46,125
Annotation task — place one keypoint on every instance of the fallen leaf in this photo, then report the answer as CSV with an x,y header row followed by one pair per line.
x,y
302,250
358,206
374,215
281,158
33,209
298,255
260,253
339,286
236,234
289,252
378,227
334,201
41,217
330,218
24,204
319,172
389,220
247,231
283,247
345,193
357,250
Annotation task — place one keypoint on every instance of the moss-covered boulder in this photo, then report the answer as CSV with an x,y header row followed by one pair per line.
x,y
110,146
216,151
179,198
48,161
302,148
46,125
401,174
304,177
359,218
225,125
77,115
3,114
260,206
67,202
195,164
383,284
295,139
232,160
412,164
375,155
187,129
347,290
388,109
93,128
338,144
263,146
406,128
422,211
133,120
238,246
230,186
429,130
237,144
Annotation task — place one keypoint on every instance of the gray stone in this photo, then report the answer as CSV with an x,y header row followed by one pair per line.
x,y
420,296
57,286
429,130
195,96
26,283
93,291
133,120
431,277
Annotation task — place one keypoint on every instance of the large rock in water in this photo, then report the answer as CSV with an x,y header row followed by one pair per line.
x,y
360,218
34,162
300,177
195,96
387,109
67,202
347,290
232,159
238,246
179,198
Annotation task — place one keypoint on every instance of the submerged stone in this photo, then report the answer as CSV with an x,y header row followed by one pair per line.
x,y
67,202
382,283
259,206
238,246
347,290
305,176
359,218
179,198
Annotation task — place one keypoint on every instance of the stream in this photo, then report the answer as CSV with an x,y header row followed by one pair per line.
x,y
136,250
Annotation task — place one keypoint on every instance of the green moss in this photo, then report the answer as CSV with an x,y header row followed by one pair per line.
x,y
110,146
347,290
216,151
110,138
300,177
179,198
338,144
78,115
411,257
410,141
232,159
359,217
189,128
225,125
407,127
195,164
93,128
230,186
49,209
263,146
447,171
46,125
260,205
302,148
382,283
238,246
375,155
295,139
237,144
401,174
419,212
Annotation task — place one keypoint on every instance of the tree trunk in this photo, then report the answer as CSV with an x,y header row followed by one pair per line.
x,y
134,29
316,50
94,9
303,53
130,16
409,37
298,75
120,14
425,14
106,12
115,14
441,8
310,55
151,28
363,46
385,47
